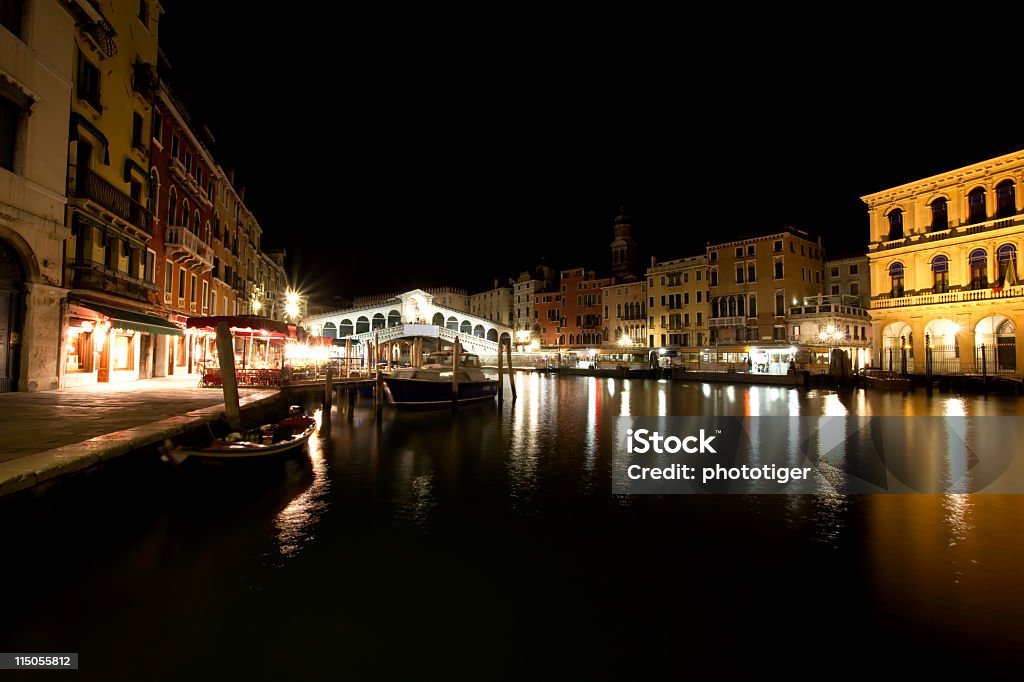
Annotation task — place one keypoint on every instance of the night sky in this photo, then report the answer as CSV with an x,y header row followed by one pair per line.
x,y
386,153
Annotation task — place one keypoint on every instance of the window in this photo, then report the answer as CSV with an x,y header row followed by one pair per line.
x,y
10,116
750,250
150,267
714,256
206,295
940,215
88,82
158,122
181,283
739,275
752,306
778,268
835,289
10,15
168,276
751,273
835,271
777,246
803,250
896,277
1006,259
739,252
854,270
780,303
698,275
976,212
137,131
174,146
700,319
1006,204
714,278
698,297
854,289
979,269
940,275
686,298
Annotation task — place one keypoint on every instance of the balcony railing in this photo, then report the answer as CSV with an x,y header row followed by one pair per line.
x,y
90,274
727,321
90,186
951,233
948,297
185,247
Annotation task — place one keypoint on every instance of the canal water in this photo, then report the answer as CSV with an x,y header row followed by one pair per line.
x,y
488,545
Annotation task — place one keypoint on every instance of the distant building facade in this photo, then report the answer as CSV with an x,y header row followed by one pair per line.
x,y
678,307
625,314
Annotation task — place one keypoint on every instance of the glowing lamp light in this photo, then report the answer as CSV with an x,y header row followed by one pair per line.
x,y
625,341
256,305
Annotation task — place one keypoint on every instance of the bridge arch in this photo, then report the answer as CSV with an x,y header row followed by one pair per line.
x,y
438,319
466,327
330,330
453,324
378,321
394,318
479,331
344,328
492,334
505,338
362,324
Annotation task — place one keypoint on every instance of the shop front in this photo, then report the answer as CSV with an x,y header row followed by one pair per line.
x,y
107,344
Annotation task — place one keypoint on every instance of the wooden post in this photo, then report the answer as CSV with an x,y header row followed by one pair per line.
x,y
329,389
226,351
376,352
455,373
378,393
348,357
511,379
391,352
501,372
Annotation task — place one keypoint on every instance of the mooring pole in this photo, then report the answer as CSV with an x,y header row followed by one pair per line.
x,y
511,379
226,351
501,373
455,373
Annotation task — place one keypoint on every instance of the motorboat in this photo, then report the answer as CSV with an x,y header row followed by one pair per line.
x,y
280,439
431,384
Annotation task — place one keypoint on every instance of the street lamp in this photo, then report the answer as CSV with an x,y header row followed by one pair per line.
x,y
291,304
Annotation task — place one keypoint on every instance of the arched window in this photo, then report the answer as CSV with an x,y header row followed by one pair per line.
x,y
362,325
438,319
466,327
183,216
1006,202
1006,259
976,212
154,186
330,331
940,215
896,276
378,321
206,232
739,306
344,328
940,275
895,224
452,324
172,208
978,261
752,306
394,318
195,222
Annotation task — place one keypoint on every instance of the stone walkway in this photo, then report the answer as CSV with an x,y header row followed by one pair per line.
x,y
47,433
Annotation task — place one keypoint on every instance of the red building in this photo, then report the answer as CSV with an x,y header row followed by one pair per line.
x,y
573,316
184,174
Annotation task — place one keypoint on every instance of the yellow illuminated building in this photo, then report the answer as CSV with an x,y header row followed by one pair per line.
x,y
677,303
945,274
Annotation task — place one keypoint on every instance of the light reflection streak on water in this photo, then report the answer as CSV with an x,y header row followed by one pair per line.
x,y
593,421
624,400
295,523
523,455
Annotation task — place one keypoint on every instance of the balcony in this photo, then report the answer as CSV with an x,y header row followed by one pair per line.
x,y
727,321
90,274
118,206
186,248
951,233
967,295
179,172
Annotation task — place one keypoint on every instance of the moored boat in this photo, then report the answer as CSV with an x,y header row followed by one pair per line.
x,y
284,438
431,384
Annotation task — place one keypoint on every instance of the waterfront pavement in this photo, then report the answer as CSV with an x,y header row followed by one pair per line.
x,y
47,434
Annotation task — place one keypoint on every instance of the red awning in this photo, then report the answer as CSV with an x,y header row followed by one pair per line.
x,y
246,324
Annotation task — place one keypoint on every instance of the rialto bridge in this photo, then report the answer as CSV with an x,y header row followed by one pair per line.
x,y
410,315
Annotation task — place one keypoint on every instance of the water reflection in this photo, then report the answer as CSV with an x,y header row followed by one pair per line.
x,y
296,522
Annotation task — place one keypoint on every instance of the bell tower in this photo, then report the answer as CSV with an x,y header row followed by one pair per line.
x,y
623,249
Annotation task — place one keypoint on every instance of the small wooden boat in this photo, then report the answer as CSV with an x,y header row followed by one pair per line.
x,y
876,378
284,438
